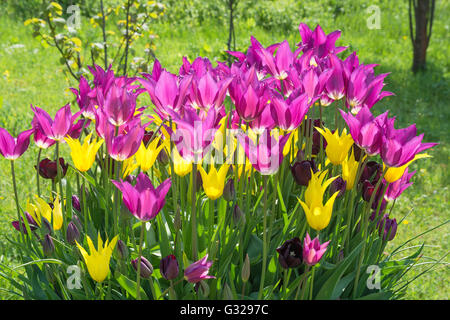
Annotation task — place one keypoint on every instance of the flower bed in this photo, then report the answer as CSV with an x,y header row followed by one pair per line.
x,y
231,182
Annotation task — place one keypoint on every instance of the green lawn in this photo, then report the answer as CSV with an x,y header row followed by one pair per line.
x,y
30,74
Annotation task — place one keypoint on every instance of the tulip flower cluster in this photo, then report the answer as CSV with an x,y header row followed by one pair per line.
x,y
218,179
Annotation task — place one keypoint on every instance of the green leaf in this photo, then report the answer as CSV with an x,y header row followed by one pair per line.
x,y
130,286
333,276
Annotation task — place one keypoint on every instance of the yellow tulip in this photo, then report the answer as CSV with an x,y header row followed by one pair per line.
x,y
214,181
42,209
128,166
83,156
394,173
349,170
97,261
337,145
317,214
181,166
146,157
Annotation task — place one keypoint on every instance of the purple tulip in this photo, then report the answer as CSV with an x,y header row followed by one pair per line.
x,y
21,227
198,270
167,93
194,135
12,148
338,185
313,250
123,146
366,130
401,145
143,200
279,65
364,88
266,157
120,104
337,81
317,41
289,114
249,95
208,93
58,128
396,188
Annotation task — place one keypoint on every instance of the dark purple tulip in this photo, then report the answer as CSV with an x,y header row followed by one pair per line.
x,y
48,169
146,267
340,185
372,172
301,171
76,203
72,233
290,253
169,267
387,228
47,245
147,137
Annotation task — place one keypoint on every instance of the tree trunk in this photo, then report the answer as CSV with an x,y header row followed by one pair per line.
x,y
421,33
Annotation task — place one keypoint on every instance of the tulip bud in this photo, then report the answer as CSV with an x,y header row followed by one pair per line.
x,y
387,228
169,267
146,267
122,250
340,185
47,245
300,156
316,142
229,192
238,215
227,293
72,233
301,171
76,203
290,253
245,274
163,158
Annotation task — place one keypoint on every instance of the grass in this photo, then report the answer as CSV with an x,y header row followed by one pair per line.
x,y
30,74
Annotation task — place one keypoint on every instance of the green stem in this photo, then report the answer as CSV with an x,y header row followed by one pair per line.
x,y
264,262
37,173
59,175
138,280
16,197
300,284
312,283
194,211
